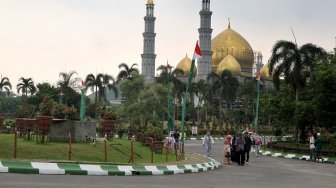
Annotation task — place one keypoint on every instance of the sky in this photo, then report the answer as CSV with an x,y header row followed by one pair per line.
x,y
41,38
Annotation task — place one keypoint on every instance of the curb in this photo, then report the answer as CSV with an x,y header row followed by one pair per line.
x,y
103,170
294,156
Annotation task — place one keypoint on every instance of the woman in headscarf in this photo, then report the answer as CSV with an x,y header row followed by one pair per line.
x,y
207,141
227,150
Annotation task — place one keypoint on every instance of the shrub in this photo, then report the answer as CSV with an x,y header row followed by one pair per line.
x,y
25,111
46,106
71,113
58,111
107,113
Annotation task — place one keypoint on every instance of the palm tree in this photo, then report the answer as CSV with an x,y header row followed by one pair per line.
x,y
127,72
67,82
202,90
225,86
26,84
289,61
93,82
107,81
5,85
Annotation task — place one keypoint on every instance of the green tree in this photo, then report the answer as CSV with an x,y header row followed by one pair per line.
x,y
127,72
321,90
94,82
225,87
67,82
202,90
5,85
107,82
25,86
293,63
289,61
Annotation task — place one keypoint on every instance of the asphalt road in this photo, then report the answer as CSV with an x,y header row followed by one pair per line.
x,y
261,172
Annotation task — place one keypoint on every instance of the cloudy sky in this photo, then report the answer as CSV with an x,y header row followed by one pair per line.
x,y
41,38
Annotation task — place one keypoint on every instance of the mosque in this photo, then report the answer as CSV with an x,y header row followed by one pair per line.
x,y
226,51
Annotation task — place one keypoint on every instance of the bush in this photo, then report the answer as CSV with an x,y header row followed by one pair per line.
x,y
71,113
107,113
25,111
154,132
58,111
46,106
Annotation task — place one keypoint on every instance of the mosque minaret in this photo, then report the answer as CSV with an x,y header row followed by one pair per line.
x,y
205,31
148,56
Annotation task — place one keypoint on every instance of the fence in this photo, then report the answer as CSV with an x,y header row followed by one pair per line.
x,y
94,150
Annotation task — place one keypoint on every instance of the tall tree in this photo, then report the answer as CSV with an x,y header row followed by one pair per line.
x,y
107,82
26,85
5,85
202,90
225,87
289,61
94,83
67,82
127,72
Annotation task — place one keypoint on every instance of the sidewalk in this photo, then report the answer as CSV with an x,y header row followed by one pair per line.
x,y
103,170
294,156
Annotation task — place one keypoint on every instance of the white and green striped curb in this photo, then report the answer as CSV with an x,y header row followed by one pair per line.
x,y
103,170
294,156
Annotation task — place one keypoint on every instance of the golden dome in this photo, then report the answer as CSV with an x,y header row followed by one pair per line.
x,y
150,2
185,65
231,64
264,72
231,42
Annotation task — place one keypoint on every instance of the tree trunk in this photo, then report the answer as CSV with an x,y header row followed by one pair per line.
x,y
220,110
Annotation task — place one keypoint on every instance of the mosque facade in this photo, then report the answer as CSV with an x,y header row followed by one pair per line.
x,y
228,50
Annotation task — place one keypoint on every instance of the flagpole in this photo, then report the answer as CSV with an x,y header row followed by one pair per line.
x,y
83,105
170,119
257,107
197,54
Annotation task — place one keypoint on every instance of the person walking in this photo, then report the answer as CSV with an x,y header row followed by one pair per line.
x,y
207,142
176,136
227,150
257,144
312,147
318,147
247,146
240,142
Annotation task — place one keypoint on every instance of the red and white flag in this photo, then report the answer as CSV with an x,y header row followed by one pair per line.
x,y
168,67
197,53
83,85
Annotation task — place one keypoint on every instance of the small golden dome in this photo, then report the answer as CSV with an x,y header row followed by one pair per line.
x,y
264,72
231,42
231,64
185,65
150,2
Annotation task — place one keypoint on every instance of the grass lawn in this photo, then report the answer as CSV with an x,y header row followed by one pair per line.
x,y
118,151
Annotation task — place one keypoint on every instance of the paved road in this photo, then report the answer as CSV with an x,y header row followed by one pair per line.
x,y
261,172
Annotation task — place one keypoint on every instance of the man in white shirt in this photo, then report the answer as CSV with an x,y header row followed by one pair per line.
x,y
312,146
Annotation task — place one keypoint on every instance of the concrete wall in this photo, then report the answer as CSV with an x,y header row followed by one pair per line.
x,y
79,130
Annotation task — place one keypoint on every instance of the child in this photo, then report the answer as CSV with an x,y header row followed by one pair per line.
x,y
227,150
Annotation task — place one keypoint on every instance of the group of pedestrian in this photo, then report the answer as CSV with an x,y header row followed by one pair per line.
x,y
315,146
237,148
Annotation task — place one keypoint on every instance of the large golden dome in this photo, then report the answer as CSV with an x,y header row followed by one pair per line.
x,y
185,65
264,72
150,2
231,42
231,64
